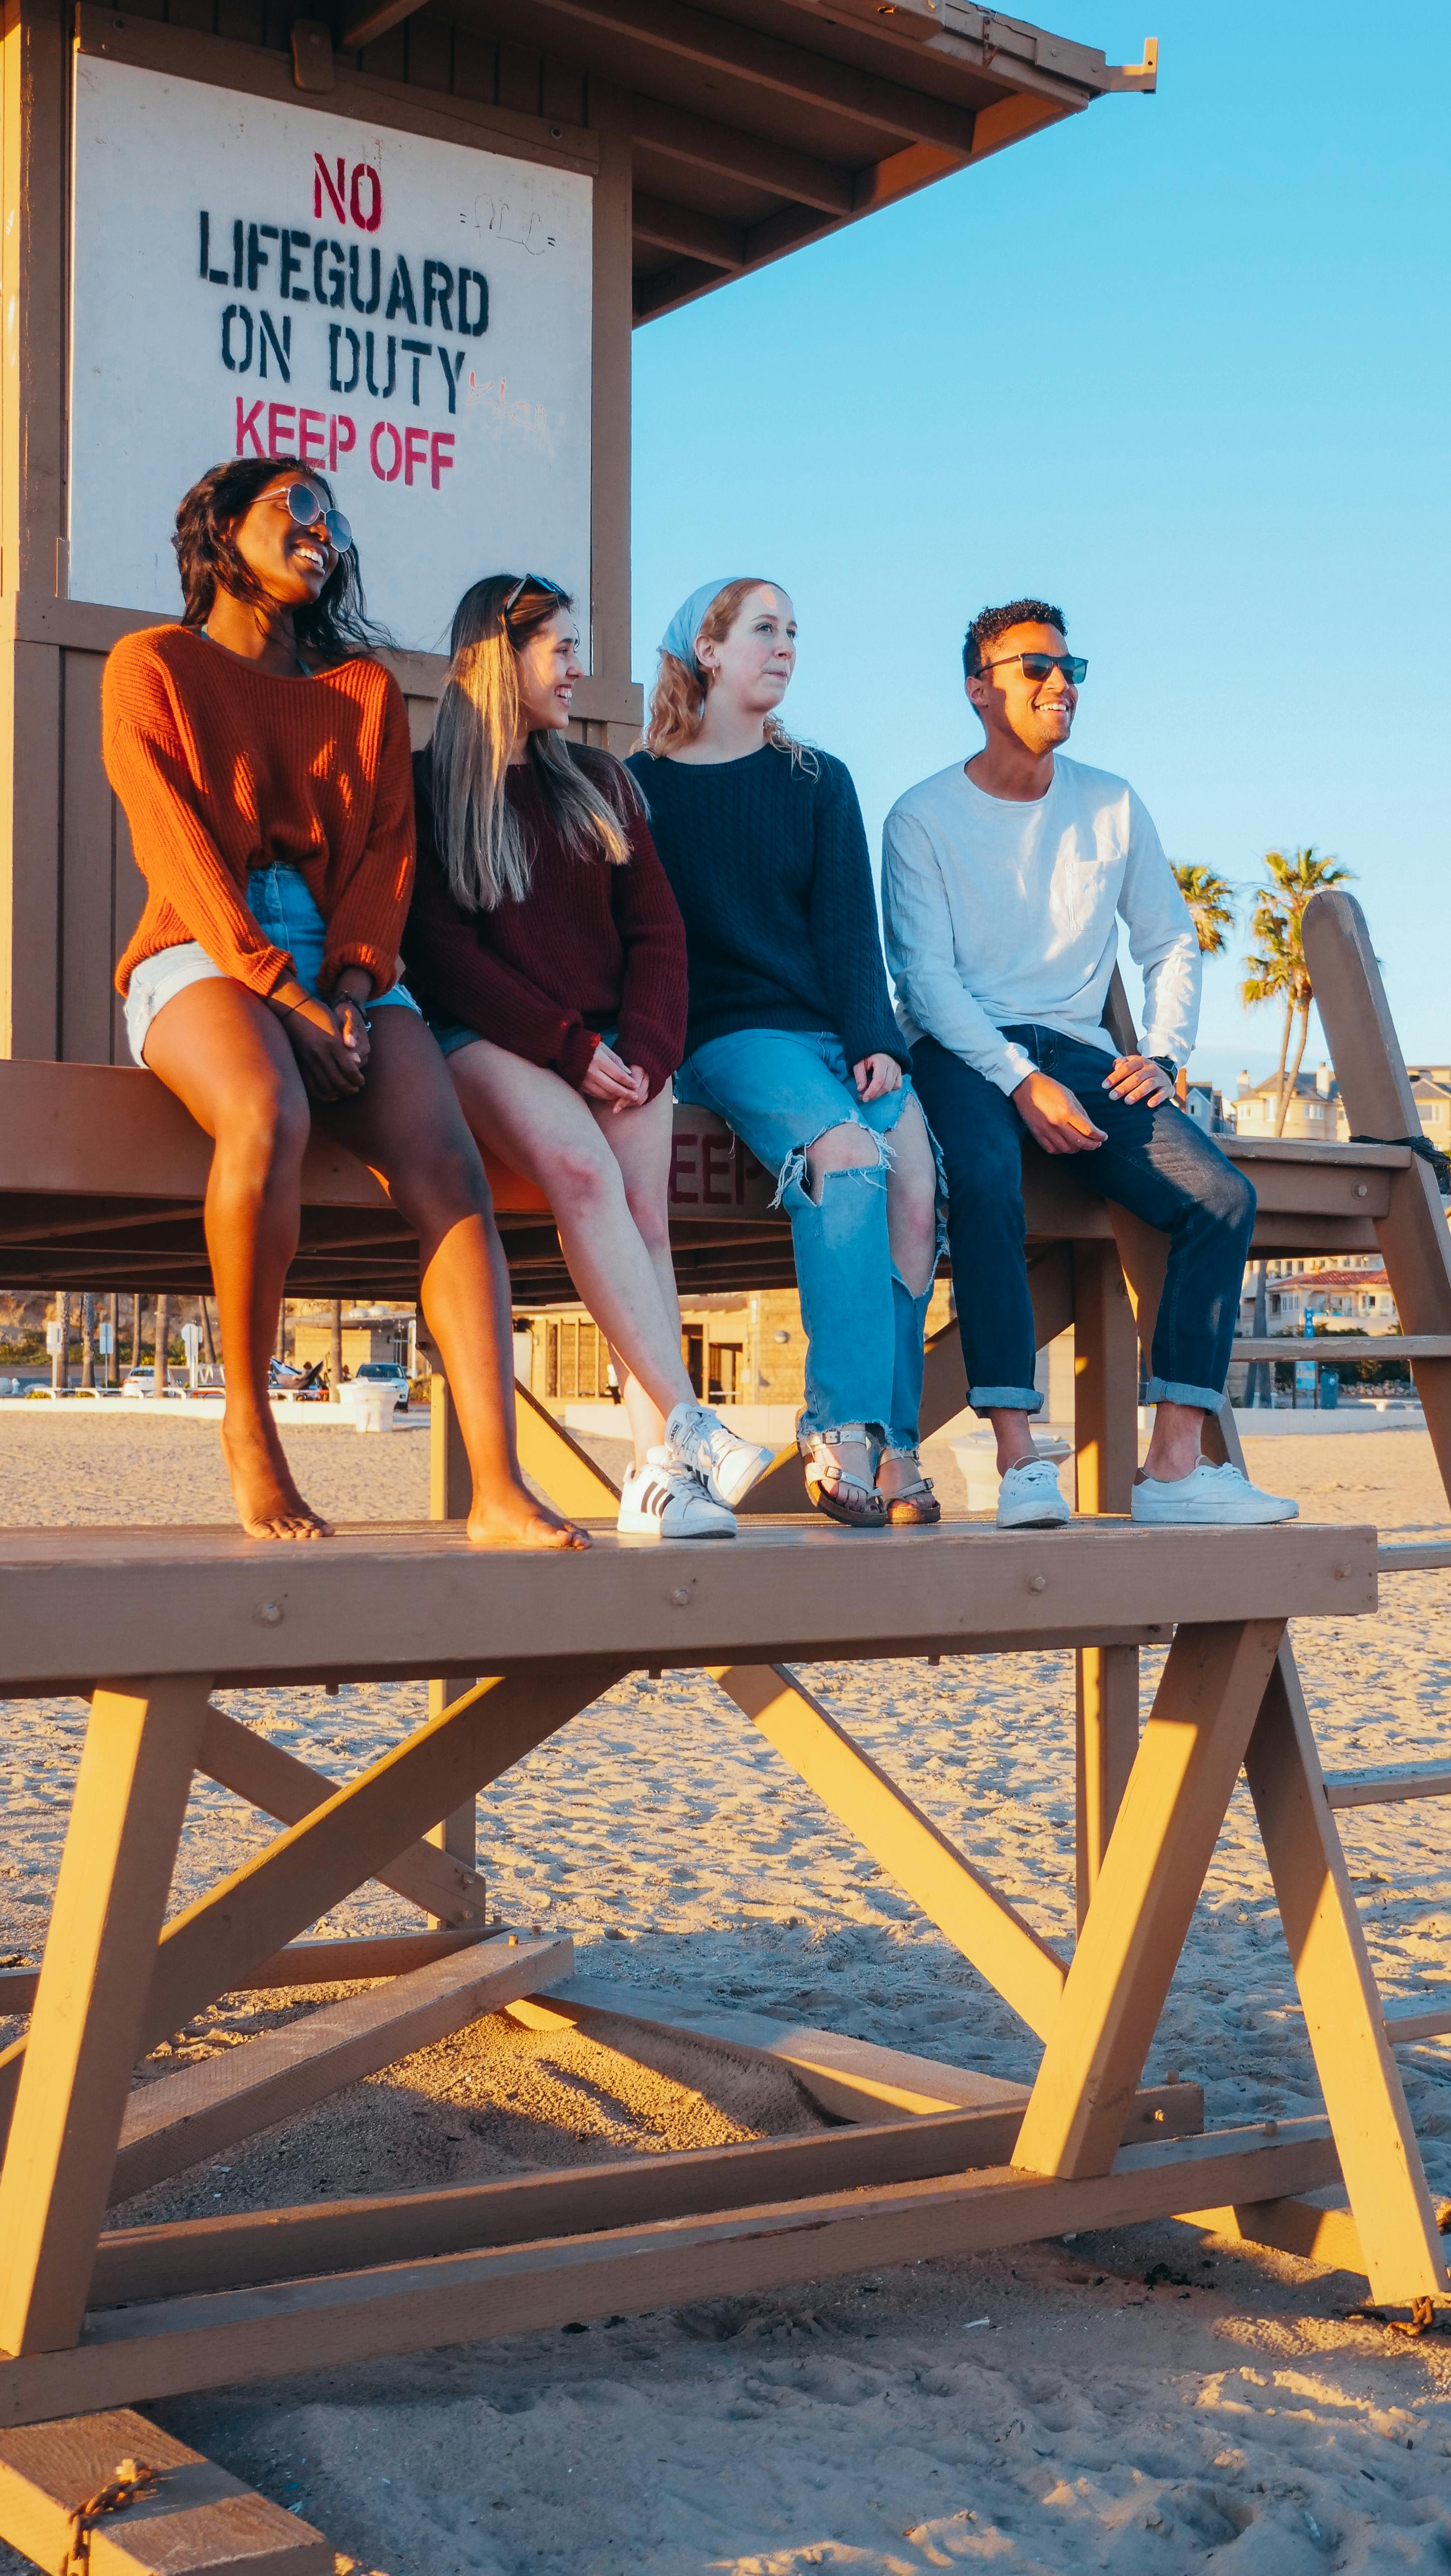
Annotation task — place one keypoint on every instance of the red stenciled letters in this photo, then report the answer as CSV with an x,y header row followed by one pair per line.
x,y
311,435
415,452
441,439
682,1164
322,177
342,438
280,441
386,473
248,416
366,185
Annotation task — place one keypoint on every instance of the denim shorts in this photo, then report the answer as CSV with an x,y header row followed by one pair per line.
x,y
279,898
449,1035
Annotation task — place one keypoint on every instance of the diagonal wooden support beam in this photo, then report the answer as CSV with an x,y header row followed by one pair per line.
x,y
228,1932
981,1923
86,2030
274,1781
1161,1847
1404,2254
203,2108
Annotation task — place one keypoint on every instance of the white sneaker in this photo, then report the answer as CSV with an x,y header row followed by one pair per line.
x,y
1030,1497
726,1465
1210,1498
662,1499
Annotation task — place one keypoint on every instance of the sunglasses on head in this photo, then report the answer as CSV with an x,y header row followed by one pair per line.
x,y
304,506
530,581
1036,666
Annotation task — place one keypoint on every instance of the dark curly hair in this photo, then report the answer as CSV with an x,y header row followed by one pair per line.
x,y
990,623
335,625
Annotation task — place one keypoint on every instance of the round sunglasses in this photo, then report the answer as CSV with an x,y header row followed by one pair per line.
x,y
304,506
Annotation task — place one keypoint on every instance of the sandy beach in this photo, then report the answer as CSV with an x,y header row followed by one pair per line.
x,y
1152,2400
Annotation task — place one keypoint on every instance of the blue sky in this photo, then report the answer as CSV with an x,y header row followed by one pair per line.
x,y
1180,364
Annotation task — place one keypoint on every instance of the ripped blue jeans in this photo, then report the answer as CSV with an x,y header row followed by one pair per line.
x,y
780,1089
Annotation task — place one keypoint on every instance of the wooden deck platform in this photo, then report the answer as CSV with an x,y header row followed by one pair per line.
x,y
395,1602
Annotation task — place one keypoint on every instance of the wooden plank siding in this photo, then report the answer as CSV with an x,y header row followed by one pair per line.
x,y
70,892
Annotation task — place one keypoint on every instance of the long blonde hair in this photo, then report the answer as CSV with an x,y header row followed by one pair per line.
x,y
677,700
485,849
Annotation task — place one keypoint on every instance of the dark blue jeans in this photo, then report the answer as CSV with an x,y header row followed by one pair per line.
x,y
1156,1163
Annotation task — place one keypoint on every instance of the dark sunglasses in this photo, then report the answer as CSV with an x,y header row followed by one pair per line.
x,y
1036,666
531,581
304,506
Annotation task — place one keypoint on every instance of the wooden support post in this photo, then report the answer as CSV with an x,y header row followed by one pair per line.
x,y
1168,1824
450,1493
1414,1238
1105,1418
982,1924
1404,2256
87,2029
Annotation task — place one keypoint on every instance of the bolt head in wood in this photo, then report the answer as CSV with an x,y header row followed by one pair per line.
x,y
1037,1583
270,1614
680,1597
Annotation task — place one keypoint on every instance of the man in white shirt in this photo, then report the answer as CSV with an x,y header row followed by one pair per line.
x,y
1003,882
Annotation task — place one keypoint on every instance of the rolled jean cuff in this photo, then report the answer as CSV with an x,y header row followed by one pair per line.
x,y
1173,1390
1004,1399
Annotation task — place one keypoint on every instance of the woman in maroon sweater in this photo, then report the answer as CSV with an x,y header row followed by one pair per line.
x,y
545,945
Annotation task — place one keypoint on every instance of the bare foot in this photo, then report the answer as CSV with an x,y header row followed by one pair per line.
x,y
268,1502
512,1518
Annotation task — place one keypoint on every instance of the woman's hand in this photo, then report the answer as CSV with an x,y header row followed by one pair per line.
x,y
876,1075
328,1064
349,994
617,1084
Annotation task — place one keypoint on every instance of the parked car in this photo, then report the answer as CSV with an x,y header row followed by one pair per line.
x,y
381,1372
142,1381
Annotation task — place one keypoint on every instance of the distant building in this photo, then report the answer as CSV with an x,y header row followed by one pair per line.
x,y
1316,1114
1205,1105
1350,1291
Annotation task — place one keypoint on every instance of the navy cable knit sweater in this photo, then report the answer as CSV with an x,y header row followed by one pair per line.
x,y
769,867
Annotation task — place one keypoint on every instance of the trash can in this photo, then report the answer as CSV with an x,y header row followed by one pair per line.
x,y
372,1403
1329,1389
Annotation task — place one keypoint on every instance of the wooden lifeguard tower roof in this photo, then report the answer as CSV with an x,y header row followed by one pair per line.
x,y
759,125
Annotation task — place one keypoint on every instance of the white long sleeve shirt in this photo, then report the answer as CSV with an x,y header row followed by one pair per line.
x,y
998,913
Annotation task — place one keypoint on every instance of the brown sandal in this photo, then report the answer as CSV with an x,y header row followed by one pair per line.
x,y
835,1493
916,1506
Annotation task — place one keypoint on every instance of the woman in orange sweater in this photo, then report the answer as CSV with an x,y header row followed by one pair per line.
x,y
262,758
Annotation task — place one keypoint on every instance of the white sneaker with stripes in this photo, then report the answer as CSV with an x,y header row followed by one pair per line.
x,y
662,1499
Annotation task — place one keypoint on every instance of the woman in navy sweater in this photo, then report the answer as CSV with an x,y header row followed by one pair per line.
x,y
791,1036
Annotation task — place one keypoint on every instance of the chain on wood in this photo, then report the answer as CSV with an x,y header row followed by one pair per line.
x,y
128,2480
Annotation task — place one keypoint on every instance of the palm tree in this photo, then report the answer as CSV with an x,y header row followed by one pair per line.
x,y
1277,971
1211,905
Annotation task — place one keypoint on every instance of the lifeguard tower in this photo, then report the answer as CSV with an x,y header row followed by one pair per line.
x,y
410,243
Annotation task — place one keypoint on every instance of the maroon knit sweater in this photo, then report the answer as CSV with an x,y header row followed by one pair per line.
x,y
590,946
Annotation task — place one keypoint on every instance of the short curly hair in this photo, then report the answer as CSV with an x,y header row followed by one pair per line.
x,y
990,623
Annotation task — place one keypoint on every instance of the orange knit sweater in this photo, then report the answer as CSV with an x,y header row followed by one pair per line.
x,y
222,768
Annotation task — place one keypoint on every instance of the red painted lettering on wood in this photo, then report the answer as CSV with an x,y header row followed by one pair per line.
x,y
682,1167
715,1156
